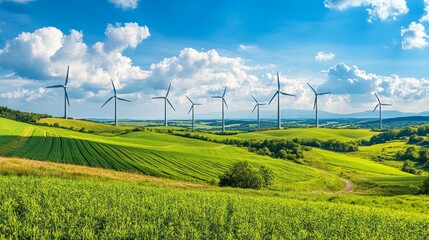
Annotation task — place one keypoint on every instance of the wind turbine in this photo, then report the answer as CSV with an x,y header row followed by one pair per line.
x,y
223,108
316,94
192,109
66,96
379,106
165,104
257,107
278,92
116,98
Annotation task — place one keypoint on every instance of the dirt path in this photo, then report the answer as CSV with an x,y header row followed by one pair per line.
x,y
349,185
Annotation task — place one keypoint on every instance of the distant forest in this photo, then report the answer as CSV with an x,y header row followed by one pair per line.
x,y
21,116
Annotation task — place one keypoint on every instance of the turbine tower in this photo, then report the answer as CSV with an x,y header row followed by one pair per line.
x,y
192,109
257,107
316,94
66,96
379,106
223,108
165,104
278,92
116,98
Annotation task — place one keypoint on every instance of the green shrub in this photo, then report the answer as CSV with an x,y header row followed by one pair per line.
x,y
425,187
243,175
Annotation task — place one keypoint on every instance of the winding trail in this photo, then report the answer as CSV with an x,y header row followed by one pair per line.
x,y
349,186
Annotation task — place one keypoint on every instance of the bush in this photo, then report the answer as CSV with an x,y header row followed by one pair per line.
x,y
243,175
425,187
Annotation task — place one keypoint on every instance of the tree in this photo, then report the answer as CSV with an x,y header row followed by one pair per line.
x,y
243,175
425,187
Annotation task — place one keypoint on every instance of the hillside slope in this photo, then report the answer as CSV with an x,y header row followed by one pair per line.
x,y
152,154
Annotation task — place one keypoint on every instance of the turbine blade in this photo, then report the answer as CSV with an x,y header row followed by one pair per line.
x,y
324,93
66,96
197,104
107,101
190,109
386,104
254,98
223,99
312,88
67,76
189,99
170,104
158,97
287,94
56,86
278,81
315,103
114,89
125,100
377,98
224,91
254,108
262,104
216,96
375,107
275,94
168,91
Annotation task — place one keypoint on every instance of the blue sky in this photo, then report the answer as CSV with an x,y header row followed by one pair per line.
x,y
350,47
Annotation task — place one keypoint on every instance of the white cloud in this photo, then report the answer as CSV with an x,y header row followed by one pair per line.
x,y
414,36
26,94
425,17
125,4
244,47
346,80
204,73
377,9
46,52
322,56
128,36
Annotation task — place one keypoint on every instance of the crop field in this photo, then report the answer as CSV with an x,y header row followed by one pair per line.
x,y
126,210
164,188
343,135
97,128
158,155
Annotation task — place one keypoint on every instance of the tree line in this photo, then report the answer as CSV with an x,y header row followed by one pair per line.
x,y
289,149
21,116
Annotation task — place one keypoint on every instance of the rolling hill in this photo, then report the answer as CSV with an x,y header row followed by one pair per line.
x,y
150,153
51,198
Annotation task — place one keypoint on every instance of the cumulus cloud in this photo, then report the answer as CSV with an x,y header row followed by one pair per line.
x,y
125,4
204,73
322,56
377,9
414,36
26,94
45,53
345,80
425,17
128,36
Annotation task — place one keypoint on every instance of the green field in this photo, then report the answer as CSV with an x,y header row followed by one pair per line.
x,y
157,154
97,128
87,209
164,187
343,135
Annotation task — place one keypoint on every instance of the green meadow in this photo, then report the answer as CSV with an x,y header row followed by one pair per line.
x,y
121,182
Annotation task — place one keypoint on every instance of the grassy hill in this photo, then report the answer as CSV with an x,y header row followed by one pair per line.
x,y
163,187
86,126
70,202
151,153
344,135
